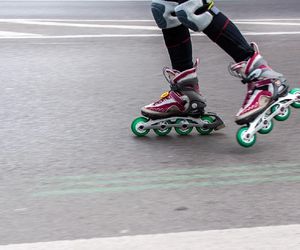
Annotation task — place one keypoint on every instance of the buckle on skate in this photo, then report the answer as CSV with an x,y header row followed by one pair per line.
x,y
164,95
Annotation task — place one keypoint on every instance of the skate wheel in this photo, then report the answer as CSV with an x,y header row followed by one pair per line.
x,y
284,115
137,126
295,104
163,130
203,131
183,129
243,139
267,128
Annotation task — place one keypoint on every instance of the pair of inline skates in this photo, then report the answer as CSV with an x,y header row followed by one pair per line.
x,y
183,107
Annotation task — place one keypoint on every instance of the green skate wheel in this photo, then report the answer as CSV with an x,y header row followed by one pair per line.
x,y
163,131
295,104
137,126
284,115
206,119
243,140
183,129
267,128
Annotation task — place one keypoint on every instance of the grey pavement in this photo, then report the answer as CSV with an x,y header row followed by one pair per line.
x,y
70,166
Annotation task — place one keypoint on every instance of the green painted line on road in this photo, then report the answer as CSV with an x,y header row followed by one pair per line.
x,y
173,178
167,186
194,170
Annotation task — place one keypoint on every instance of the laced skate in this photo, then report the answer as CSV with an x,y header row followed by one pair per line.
x,y
182,108
267,98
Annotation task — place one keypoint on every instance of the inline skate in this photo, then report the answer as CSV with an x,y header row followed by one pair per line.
x,y
181,108
267,97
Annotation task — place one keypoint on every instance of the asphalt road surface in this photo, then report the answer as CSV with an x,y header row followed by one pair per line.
x,y
73,77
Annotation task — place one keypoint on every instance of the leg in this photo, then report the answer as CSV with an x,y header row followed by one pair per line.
x,y
177,36
184,97
202,15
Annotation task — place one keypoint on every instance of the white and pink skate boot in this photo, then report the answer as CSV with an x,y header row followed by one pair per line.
x,y
183,99
181,108
267,98
264,86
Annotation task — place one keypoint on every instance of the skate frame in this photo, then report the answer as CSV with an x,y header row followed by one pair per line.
x,y
187,122
266,117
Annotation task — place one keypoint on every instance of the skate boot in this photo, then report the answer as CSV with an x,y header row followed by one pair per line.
x,y
182,108
267,97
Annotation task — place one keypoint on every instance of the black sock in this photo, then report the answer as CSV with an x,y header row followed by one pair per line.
x,y
224,33
179,45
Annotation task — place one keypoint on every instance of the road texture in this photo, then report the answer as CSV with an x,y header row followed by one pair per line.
x,y
73,77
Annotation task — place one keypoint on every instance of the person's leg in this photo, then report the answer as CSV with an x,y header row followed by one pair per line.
x,y
202,15
176,36
184,97
179,45
264,84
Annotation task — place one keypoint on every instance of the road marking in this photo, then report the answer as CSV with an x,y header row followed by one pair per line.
x,y
271,237
21,209
267,23
180,171
137,181
183,177
72,23
4,34
140,20
84,20
38,37
167,186
80,25
131,27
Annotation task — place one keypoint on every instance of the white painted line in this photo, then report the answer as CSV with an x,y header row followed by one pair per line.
x,y
139,35
267,20
80,25
130,27
138,20
275,238
21,209
276,33
79,20
4,34
268,23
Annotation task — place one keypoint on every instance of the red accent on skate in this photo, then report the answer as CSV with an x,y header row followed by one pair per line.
x,y
173,100
237,66
255,103
263,67
184,74
262,83
176,97
250,62
166,107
